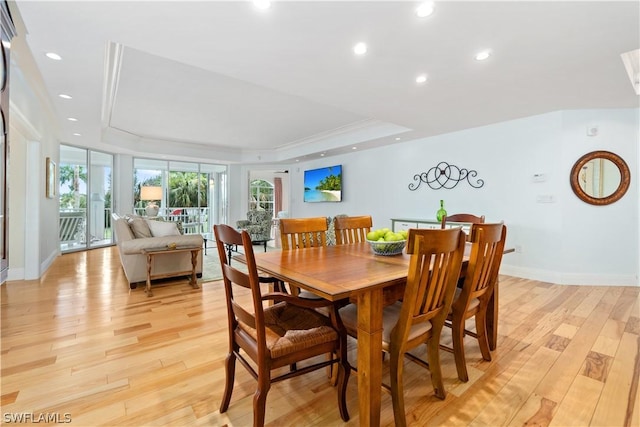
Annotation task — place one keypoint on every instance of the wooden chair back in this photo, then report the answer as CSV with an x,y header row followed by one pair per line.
x,y
300,233
235,278
352,229
461,217
487,247
263,331
436,260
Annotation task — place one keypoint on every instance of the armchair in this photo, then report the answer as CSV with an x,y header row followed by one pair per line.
x,y
257,224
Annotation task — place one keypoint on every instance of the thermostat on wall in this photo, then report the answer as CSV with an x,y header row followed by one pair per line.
x,y
539,177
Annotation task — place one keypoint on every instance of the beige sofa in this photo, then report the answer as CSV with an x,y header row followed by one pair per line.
x,y
131,241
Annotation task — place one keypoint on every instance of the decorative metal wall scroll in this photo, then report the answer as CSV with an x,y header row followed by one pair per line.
x,y
447,176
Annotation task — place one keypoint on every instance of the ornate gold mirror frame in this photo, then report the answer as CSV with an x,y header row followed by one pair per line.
x,y
579,176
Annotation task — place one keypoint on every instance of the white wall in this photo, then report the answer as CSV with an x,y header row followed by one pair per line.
x,y
567,241
601,241
32,133
122,182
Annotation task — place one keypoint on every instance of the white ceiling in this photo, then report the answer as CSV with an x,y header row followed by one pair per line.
x,y
240,84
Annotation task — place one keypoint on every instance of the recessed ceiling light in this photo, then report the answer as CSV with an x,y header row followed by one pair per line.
x,y
425,9
481,56
354,148
262,4
65,96
421,78
77,134
398,138
360,48
54,56
321,154
72,119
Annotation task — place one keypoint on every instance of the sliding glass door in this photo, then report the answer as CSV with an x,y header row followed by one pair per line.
x,y
100,173
192,193
85,198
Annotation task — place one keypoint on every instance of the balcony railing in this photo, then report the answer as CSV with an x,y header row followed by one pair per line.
x,y
194,220
72,228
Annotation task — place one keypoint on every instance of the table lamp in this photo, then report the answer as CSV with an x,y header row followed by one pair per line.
x,y
151,194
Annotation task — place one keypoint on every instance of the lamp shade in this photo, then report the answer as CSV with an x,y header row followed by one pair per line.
x,y
151,193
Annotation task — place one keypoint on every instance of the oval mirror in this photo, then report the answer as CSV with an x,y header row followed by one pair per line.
x,y
600,178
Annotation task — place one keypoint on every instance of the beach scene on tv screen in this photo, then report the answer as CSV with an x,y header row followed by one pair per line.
x,y
323,185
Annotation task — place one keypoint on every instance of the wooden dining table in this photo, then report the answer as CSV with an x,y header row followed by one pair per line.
x,y
352,271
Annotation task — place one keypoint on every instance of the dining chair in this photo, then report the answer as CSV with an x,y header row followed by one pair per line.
x,y
300,233
352,229
282,334
436,259
487,247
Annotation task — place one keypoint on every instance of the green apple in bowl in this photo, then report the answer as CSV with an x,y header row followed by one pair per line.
x,y
373,235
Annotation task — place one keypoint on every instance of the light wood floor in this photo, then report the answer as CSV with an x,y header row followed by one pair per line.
x,y
77,342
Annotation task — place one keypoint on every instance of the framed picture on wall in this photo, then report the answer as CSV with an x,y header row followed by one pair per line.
x,y
50,169
323,185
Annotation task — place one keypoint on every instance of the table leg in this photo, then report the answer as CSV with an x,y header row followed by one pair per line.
x,y
148,287
492,318
205,244
265,246
194,263
370,356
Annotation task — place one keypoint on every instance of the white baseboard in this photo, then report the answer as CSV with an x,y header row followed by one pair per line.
x,y
19,273
559,278
15,274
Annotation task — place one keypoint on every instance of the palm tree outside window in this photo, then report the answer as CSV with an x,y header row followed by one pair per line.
x,y
193,193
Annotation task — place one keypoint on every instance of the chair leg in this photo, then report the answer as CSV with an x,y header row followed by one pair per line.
x,y
397,388
260,399
481,331
433,356
457,333
344,369
332,372
230,366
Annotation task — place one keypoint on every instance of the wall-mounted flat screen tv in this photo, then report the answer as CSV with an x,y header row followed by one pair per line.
x,y
323,185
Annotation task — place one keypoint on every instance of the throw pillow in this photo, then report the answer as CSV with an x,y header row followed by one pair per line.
x,y
139,227
178,223
161,228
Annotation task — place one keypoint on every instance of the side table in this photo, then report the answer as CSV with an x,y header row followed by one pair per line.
x,y
152,252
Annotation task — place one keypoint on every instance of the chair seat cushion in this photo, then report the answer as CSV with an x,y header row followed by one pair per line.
x,y
349,316
290,328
